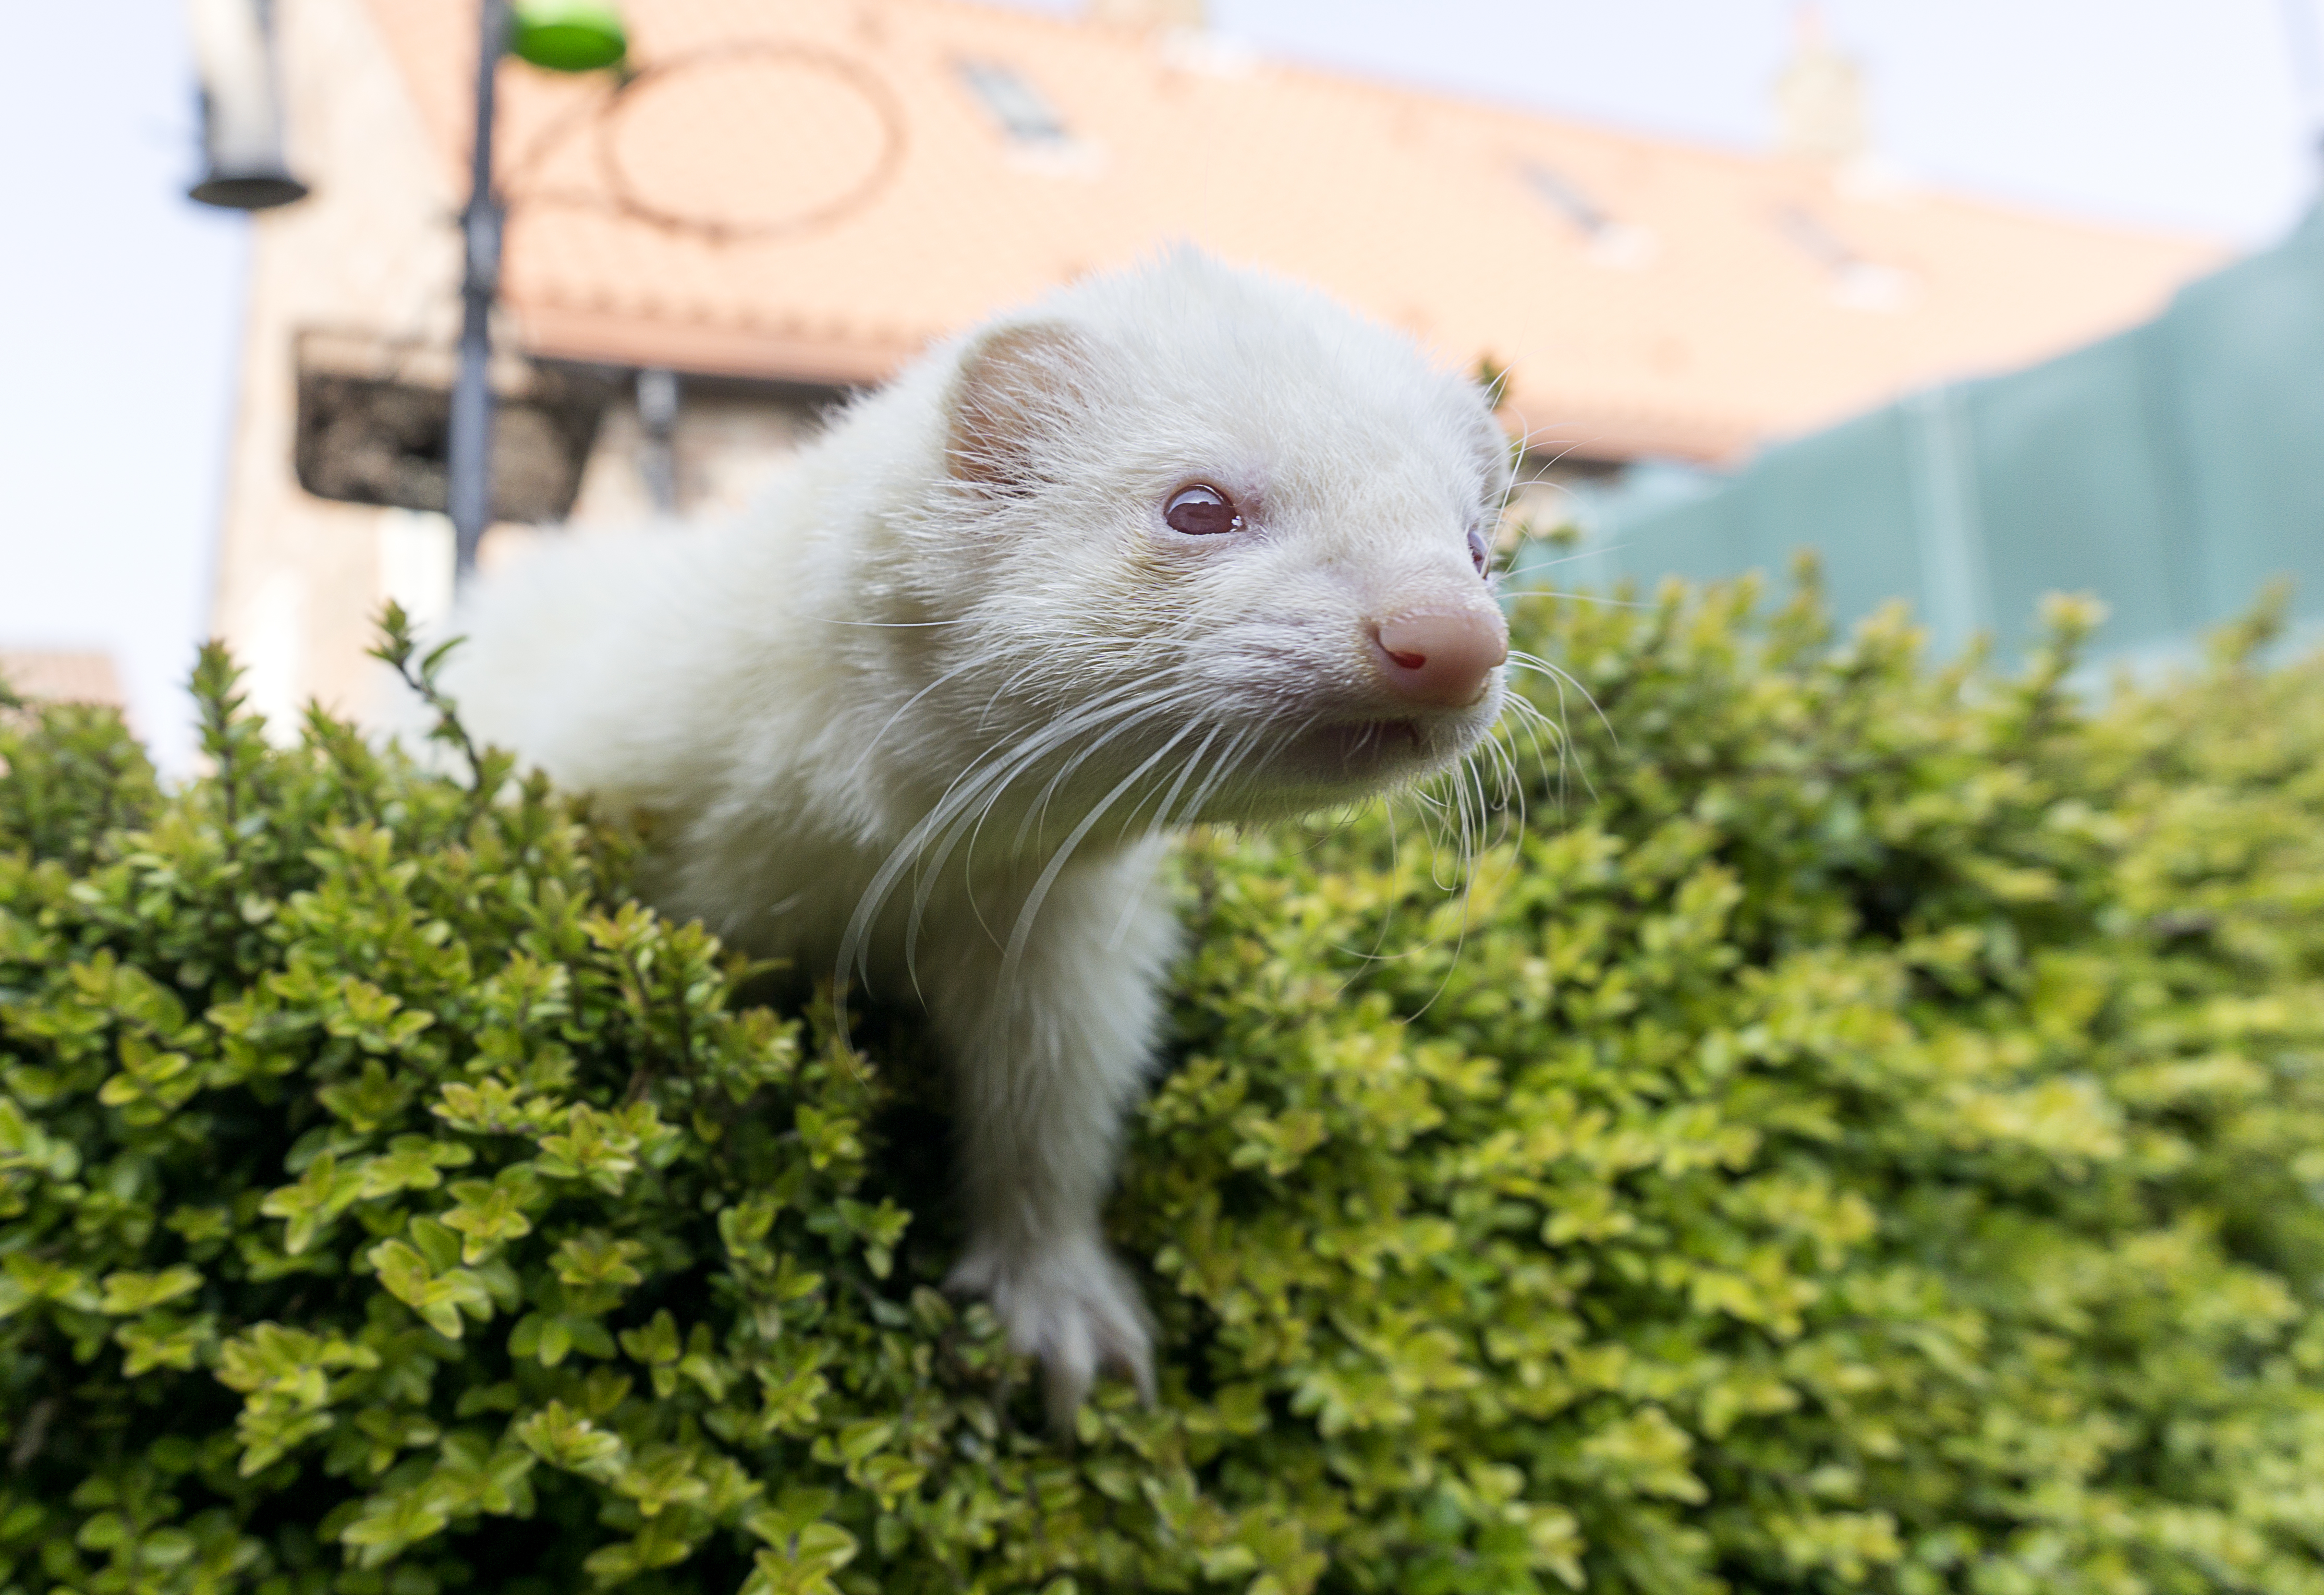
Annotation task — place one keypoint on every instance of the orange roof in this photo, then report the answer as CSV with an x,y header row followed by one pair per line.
x,y
811,190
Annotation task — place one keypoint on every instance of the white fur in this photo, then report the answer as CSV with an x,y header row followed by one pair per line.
x,y
931,708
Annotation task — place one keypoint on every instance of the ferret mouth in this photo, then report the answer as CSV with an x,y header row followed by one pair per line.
x,y
1357,752
1303,767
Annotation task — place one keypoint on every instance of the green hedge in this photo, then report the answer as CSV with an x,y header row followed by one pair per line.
x,y
1863,1129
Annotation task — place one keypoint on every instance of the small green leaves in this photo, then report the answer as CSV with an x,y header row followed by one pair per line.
x,y
391,1523
369,1100
489,1215
877,1228
411,1162
165,1340
590,1258
470,1477
492,1108
438,1294
26,1150
804,1548
1858,1127
657,1345
287,1377
803,1563
126,1293
830,1137
369,1016
324,1191
26,1281
592,1146
291,1363
564,1439
151,1083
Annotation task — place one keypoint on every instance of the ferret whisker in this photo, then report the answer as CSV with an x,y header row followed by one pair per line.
x,y
1504,769
1553,461
1579,598
1395,859
1038,812
1468,816
886,625
854,946
1528,718
1127,710
888,725
1224,768
1568,759
1537,722
995,767
1567,558
1212,779
1468,887
1009,682
1006,767
1169,797
1485,779
1540,666
1154,831
1012,959
1289,739
1540,476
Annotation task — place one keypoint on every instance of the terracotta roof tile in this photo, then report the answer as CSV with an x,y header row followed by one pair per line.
x,y
1705,308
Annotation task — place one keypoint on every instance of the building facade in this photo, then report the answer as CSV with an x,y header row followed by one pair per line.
x,y
777,203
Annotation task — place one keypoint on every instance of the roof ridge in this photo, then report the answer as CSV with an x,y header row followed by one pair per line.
x,y
1478,105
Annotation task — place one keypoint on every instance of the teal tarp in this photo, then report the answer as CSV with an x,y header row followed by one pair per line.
x,y
2172,469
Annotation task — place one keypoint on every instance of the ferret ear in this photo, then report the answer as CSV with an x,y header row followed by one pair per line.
x,y
1015,385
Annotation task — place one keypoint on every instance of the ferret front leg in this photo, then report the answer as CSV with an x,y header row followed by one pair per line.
x,y
1047,1059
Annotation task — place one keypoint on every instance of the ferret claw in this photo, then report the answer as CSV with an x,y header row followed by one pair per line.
x,y
1076,1309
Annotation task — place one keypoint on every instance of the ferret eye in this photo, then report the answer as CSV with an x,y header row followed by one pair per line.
x,y
1480,552
1202,512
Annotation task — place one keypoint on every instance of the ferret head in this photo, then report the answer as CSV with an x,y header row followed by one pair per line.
x,y
1203,538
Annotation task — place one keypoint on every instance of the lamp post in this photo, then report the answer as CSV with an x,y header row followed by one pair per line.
x,y
563,36
242,168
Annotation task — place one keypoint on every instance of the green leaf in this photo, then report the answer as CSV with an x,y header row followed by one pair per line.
x,y
322,1193
564,1439
438,1298
488,1216
127,1293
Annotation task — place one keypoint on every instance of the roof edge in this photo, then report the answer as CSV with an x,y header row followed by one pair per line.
x,y
615,338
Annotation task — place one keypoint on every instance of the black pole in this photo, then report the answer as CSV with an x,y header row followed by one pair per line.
x,y
471,451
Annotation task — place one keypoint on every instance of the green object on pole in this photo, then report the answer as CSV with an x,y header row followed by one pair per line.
x,y
568,36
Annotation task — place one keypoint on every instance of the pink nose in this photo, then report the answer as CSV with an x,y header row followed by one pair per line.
x,y
1442,659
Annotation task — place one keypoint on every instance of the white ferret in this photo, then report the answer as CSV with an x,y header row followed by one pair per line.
x,y
1183,543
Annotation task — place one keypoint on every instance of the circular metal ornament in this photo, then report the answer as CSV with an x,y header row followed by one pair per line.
x,y
729,99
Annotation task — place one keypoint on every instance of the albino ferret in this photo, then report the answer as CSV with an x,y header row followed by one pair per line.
x,y
1184,543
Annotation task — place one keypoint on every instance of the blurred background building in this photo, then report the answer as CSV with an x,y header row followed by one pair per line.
x,y
783,200
1752,330
61,675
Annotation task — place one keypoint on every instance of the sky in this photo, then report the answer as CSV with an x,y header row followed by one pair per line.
x,y
2178,113
118,352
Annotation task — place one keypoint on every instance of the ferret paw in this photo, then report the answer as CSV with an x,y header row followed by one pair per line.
x,y
1072,1307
